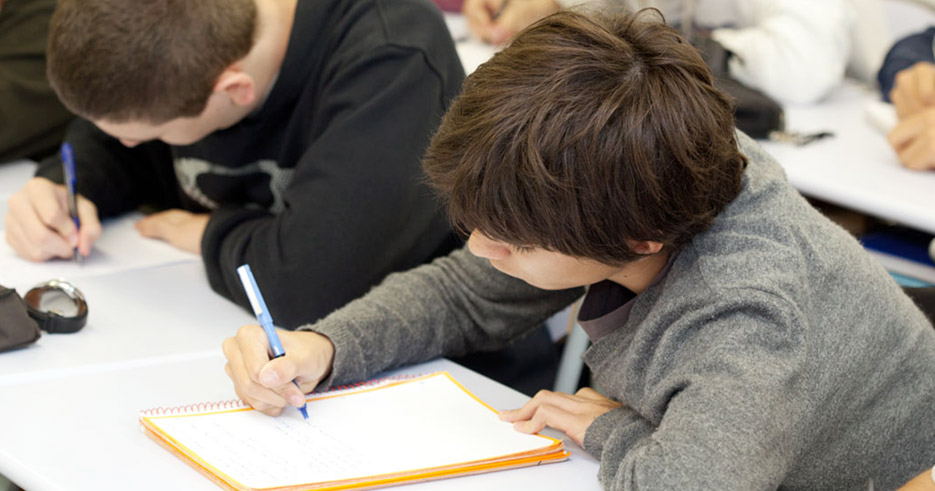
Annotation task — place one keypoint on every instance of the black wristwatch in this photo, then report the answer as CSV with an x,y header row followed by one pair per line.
x,y
52,320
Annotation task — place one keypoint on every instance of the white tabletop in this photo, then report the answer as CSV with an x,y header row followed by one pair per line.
x,y
856,168
120,248
135,317
69,403
80,431
12,177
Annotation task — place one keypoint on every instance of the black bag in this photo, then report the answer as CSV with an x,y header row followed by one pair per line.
x,y
17,328
755,113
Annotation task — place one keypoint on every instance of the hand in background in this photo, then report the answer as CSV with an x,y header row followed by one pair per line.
x,y
914,140
180,228
496,21
914,89
571,414
267,384
38,225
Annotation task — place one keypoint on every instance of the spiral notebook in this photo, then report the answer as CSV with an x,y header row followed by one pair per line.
x,y
381,433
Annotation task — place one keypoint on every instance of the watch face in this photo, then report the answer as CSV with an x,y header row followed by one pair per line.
x,y
57,306
57,302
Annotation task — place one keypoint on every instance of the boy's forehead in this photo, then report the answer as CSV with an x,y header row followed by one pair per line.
x,y
130,130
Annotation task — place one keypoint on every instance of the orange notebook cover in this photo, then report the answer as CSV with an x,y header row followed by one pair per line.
x,y
379,434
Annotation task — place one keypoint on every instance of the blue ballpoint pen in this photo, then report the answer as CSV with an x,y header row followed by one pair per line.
x,y
68,162
266,320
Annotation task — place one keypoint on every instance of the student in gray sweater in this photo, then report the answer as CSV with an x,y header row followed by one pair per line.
x,y
740,339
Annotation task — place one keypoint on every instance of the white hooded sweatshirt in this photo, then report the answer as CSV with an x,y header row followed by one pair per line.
x,y
796,51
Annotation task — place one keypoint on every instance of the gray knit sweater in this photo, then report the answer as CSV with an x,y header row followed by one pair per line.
x,y
774,353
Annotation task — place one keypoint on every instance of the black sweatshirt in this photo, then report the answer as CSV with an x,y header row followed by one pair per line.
x,y
321,189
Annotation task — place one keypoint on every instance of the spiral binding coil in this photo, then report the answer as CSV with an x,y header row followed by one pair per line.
x,y
207,407
200,407
367,384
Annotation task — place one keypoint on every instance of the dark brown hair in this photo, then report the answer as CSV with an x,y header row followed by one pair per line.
x,y
149,61
584,132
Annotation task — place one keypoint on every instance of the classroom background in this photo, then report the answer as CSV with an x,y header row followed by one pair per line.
x,y
834,151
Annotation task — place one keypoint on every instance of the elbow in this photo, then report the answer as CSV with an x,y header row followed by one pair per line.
x,y
807,85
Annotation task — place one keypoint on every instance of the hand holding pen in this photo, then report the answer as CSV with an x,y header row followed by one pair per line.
x,y
268,385
264,318
39,225
496,21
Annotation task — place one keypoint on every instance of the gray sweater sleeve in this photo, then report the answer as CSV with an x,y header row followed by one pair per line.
x,y
452,306
729,406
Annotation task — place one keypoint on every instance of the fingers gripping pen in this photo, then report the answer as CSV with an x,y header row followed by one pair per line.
x,y
264,318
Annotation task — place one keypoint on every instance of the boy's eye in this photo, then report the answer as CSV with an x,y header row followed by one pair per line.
x,y
521,248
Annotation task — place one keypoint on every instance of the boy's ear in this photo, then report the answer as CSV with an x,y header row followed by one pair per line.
x,y
645,247
237,85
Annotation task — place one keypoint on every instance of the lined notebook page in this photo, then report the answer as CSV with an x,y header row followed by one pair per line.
x,y
416,424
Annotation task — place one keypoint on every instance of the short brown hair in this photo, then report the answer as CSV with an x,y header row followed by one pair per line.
x,y
586,131
150,61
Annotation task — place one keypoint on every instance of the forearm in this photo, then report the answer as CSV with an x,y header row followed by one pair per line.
x,y
455,305
796,52
695,447
721,408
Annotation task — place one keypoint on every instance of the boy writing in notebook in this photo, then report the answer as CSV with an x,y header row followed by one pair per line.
x,y
286,134
740,339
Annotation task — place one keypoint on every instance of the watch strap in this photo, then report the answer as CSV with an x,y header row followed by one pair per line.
x,y
53,322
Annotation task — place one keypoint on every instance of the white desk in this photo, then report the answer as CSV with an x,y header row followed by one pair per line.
x,y
80,431
69,403
136,317
856,168
120,249
12,177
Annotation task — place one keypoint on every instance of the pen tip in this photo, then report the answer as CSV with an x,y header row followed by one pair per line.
x,y
304,411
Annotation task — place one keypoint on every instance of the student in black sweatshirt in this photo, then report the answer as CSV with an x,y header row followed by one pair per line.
x,y
286,134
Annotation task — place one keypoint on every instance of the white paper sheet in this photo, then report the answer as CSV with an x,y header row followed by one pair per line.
x,y
120,248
